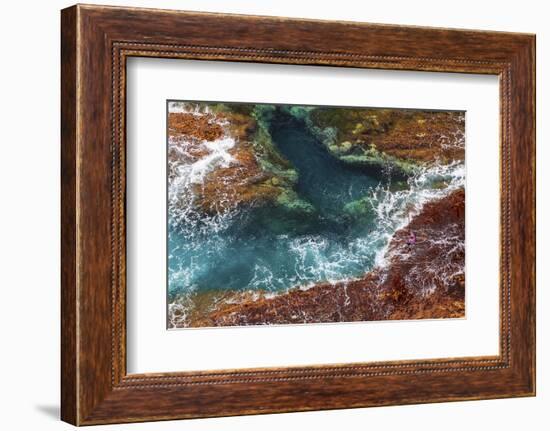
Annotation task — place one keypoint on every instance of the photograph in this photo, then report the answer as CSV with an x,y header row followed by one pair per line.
x,y
299,214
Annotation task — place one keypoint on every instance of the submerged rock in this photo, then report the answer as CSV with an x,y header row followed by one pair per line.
x,y
415,281
290,201
360,208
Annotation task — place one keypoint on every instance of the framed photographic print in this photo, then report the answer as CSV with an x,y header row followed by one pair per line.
x,y
279,215
276,214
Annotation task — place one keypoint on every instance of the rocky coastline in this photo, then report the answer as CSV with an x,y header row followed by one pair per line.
x,y
419,280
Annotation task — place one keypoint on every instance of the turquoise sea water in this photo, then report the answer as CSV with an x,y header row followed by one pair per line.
x,y
271,249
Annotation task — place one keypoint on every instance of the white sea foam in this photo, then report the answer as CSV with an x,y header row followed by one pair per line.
x,y
189,163
395,209
177,107
318,259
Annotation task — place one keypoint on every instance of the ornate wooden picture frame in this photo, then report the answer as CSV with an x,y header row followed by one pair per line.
x,y
96,41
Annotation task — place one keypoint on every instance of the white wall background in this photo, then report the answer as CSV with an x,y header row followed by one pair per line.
x,y
29,215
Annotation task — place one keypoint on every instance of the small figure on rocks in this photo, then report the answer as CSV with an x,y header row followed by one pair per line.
x,y
412,239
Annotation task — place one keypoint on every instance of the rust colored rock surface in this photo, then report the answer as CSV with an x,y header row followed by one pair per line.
x,y
203,127
399,137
